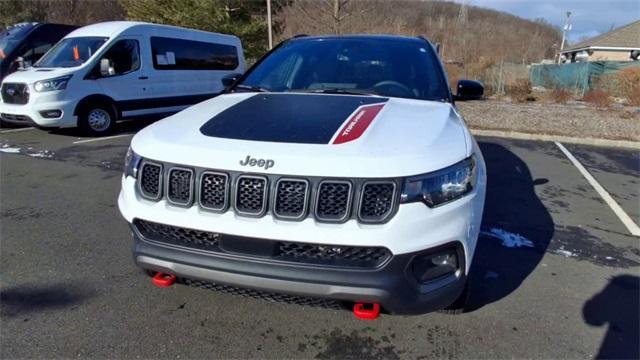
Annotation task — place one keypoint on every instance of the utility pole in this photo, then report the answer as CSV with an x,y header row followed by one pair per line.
x,y
269,24
565,30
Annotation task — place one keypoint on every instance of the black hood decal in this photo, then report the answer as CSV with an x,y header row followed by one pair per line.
x,y
288,118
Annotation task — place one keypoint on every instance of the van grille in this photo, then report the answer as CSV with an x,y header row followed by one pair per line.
x,y
13,93
293,199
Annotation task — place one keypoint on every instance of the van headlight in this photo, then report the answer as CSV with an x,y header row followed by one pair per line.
x,y
441,186
52,84
131,163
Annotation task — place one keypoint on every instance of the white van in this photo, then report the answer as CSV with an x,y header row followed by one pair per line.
x,y
103,72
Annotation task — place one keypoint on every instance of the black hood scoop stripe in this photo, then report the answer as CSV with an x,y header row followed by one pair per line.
x,y
286,118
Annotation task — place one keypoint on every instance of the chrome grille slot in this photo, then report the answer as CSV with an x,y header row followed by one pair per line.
x,y
376,202
180,186
214,191
251,195
150,181
333,200
291,197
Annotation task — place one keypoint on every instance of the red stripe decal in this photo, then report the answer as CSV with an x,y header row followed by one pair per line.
x,y
358,123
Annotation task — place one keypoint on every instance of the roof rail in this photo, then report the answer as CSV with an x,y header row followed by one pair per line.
x,y
299,36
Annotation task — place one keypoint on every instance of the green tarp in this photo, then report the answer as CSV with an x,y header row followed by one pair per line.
x,y
578,76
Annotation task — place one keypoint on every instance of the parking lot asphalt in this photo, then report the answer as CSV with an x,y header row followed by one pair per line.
x,y
555,275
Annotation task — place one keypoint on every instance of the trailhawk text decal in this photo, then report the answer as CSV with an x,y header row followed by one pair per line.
x,y
357,124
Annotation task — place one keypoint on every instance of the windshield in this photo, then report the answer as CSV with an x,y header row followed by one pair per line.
x,y
7,44
71,52
387,67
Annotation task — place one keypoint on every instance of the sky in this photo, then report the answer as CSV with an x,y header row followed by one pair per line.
x,y
588,17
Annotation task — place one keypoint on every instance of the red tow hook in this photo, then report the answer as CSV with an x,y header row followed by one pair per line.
x,y
366,311
163,280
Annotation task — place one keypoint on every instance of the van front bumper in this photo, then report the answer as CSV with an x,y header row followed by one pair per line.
x,y
32,114
392,285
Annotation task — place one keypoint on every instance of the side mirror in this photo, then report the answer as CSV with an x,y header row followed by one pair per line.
x,y
228,80
106,68
469,90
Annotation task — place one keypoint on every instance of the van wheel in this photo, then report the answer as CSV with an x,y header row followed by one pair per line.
x,y
97,119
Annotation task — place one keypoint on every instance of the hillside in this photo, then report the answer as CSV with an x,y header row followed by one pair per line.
x,y
467,34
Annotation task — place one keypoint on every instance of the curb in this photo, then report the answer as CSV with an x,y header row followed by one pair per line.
x,y
559,138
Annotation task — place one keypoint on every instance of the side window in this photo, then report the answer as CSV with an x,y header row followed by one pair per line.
x,y
124,56
179,54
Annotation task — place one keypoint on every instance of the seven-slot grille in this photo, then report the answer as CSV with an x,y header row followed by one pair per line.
x,y
333,200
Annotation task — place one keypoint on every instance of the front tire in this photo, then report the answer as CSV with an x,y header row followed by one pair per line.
x,y
97,119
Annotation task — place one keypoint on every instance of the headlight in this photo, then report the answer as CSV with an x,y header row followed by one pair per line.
x,y
131,163
441,186
52,84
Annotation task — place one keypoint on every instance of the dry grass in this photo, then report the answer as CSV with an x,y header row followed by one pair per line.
x,y
599,98
559,96
520,91
629,84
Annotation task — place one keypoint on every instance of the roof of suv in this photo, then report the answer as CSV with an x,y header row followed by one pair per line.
x,y
361,36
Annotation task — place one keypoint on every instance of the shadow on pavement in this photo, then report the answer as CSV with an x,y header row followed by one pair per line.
x,y
23,299
512,208
122,127
618,305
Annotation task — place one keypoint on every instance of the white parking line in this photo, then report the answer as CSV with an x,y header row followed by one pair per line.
x,y
626,220
16,130
102,138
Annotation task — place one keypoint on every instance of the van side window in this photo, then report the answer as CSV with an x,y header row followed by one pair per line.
x,y
179,54
124,55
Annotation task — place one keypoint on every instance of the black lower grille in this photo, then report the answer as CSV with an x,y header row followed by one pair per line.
x,y
151,180
281,251
174,235
180,186
16,118
265,295
377,201
15,93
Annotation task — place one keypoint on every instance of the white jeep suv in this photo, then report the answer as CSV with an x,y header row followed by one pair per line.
x,y
336,172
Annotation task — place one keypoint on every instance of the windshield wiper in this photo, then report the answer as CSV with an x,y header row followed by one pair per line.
x,y
250,88
337,91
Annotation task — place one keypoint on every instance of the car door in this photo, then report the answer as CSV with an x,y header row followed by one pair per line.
x,y
127,78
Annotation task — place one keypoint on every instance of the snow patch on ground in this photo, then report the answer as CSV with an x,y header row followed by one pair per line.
x,y
10,150
42,154
565,253
508,239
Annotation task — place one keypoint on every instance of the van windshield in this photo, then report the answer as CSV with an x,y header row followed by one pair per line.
x,y
71,52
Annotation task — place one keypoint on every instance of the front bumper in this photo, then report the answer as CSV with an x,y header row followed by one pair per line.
x,y
30,114
391,285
